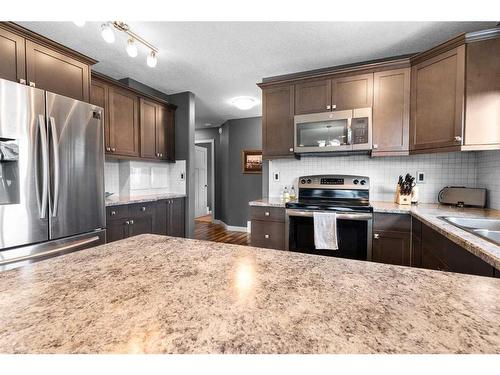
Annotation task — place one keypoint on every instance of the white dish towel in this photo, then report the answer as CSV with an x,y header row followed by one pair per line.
x,y
325,230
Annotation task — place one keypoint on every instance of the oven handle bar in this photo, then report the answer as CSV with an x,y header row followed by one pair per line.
x,y
340,215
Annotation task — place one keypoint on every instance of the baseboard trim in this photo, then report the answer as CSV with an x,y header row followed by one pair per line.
x,y
231,227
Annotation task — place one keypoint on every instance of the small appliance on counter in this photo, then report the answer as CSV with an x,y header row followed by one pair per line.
x,y
462,196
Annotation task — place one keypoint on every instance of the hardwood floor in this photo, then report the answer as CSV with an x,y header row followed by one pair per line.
x,y
216,232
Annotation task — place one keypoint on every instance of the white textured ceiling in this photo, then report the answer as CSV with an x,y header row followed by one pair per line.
x,y
220,60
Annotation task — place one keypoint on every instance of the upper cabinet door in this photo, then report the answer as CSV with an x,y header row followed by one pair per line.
x,y
352,92
56,72
437,94
149,117
170,135
12,61
99,96
313,96
123,122
391,112
277,121
482,88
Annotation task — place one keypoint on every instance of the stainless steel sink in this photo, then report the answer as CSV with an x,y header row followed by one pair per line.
x,y
488,229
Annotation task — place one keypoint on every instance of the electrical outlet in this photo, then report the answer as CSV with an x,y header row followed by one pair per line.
x,y
182,176
420,178
276,176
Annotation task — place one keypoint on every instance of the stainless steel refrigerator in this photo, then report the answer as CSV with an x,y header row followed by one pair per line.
x,y
51,175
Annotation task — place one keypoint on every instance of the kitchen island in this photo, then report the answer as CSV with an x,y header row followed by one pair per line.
x,y
156,294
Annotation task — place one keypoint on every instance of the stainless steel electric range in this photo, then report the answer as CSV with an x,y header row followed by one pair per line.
x,y
347,196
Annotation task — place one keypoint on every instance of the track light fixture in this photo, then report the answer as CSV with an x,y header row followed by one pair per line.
x,y
107,32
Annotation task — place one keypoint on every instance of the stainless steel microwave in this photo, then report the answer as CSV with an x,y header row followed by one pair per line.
x,y
349,130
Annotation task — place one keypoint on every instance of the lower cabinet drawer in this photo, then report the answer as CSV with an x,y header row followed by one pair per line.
x,y
116,212
267,213
268,234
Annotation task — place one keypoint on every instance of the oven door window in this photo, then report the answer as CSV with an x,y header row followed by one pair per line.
x,y
352,237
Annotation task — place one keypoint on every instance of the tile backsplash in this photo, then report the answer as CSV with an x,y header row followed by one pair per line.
x,y
488,176
132,178
470,169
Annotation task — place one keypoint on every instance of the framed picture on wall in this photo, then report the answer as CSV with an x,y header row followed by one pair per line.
x,y
251,161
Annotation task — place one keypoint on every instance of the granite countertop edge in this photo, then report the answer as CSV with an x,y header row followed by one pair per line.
x,y
119,201
429,214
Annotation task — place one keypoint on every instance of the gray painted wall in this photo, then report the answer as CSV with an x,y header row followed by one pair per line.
x,y
184,147
233,188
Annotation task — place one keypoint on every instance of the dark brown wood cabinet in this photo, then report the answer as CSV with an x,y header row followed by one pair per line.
x,y
30,58
437,252
268,227
99,95
313,96
391,239
277,121
12,52
391,112
123,112
56,72
165,217
149,126
437,92
352,92
135,126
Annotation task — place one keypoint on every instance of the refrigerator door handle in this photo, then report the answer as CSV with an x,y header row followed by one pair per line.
x,y
45,166
55,150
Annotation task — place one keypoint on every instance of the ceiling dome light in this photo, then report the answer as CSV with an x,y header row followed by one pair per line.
x,y
79,23
131,48
152,60
107,33
244,102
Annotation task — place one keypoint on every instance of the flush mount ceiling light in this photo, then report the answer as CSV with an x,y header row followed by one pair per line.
x,y
79,23
131,48
244,102
107,32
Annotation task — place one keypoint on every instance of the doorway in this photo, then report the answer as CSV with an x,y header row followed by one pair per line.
x,y
209,146
200,181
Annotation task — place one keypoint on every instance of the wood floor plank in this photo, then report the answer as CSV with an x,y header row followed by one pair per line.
x,y
208,231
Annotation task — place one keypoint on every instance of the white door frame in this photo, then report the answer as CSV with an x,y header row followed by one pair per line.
x,y
212,167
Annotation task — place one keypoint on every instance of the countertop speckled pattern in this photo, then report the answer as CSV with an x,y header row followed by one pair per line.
x,y
430,215
119,200
155,294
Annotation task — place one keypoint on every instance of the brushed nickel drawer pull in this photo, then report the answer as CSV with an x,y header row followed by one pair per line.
x,y
266,236
267,213
376,236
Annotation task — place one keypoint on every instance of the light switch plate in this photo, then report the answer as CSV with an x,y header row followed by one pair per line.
x,y
276,176
420,178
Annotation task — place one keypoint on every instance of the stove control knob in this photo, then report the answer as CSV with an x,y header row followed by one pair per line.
x,y
355,181
309,180
302,181
363,182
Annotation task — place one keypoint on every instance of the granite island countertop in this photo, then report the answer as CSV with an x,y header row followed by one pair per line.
x,y
116,200
429,214
155,294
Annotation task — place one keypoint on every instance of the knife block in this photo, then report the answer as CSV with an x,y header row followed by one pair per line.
x,y
402,199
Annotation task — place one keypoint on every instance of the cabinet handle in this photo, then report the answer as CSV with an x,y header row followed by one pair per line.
x,y
131,222
375,145
143,209
113,213
334,106
328,107
161,155
290,149
32,84
127,222
267,213
22,81
376,236
108,149
113,149
266,236
458,138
